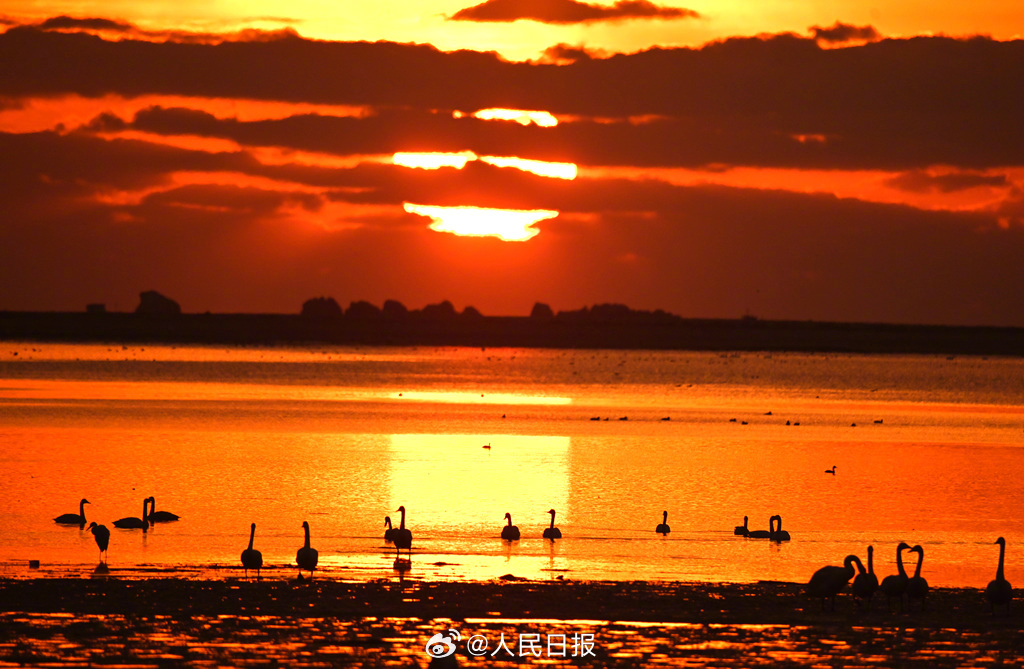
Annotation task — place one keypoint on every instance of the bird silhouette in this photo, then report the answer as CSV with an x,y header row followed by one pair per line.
x,y
763,534
252,558
402,537
135,523
742,530
828,581
895,585
306,557
777,534
866,583
552,532
999,591
389,534
102,536
917,586
72,518
831,471
663,528
160,516
510,532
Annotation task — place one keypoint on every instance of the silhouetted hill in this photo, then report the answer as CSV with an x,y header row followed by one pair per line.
x,y
591,328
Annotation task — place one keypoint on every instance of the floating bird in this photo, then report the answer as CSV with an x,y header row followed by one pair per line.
x,y
102,536
895,585
763,534
663,528
778,534
866,583
510,532
73,519
135,523
999,591
741,530
917,587
552,532
160,516
306,557
402,536
828,581
831,471
389,534
252,558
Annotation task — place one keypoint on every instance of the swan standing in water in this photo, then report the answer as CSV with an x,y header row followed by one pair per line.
x,y
252,558
402,537
895,585
866,583
663,528
102,536
742,530
135,523
552,532
510,532
828,581
306,557
917,587
777,534
160,516
999,591
389,534
73,519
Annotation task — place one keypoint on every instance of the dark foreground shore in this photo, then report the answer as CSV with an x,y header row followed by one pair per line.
x,y
179,622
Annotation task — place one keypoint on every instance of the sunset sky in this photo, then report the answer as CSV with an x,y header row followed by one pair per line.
x,y
789,159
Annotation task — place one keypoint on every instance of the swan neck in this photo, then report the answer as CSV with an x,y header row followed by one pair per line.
x,y
402,525
899,563
306,528
871,560
252,535
1002,557
552,520
920,561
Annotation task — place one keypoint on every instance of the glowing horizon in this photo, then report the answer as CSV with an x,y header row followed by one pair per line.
x,y
508,225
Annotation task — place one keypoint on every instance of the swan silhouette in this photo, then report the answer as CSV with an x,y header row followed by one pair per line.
x,y
828,581
73,519
102,536
252,558
763,534
742,530
510,532
389,534
777,534
917,587
552,532
306,557
402,537
160,516
999,591
135,523
831,471
895,585
663,528
866,583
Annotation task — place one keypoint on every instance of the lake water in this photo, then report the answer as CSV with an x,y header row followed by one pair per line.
x,y
927,450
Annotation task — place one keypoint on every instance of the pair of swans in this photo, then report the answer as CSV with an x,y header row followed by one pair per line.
x,y
306,557
511,532
899,584
774,531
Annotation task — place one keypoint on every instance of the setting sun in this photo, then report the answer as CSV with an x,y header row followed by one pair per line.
x,y
508,225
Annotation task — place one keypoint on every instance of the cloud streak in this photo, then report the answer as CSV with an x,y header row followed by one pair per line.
x,y
568,11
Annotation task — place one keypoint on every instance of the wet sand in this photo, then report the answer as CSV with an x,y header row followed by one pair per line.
x,y
274,622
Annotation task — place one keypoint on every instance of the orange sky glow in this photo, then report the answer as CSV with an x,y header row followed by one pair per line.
x,y
732,158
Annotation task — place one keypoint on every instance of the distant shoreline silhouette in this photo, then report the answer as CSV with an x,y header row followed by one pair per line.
x,y
608,326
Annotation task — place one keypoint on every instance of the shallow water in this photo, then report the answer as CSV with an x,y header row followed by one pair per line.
x,y
927,449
